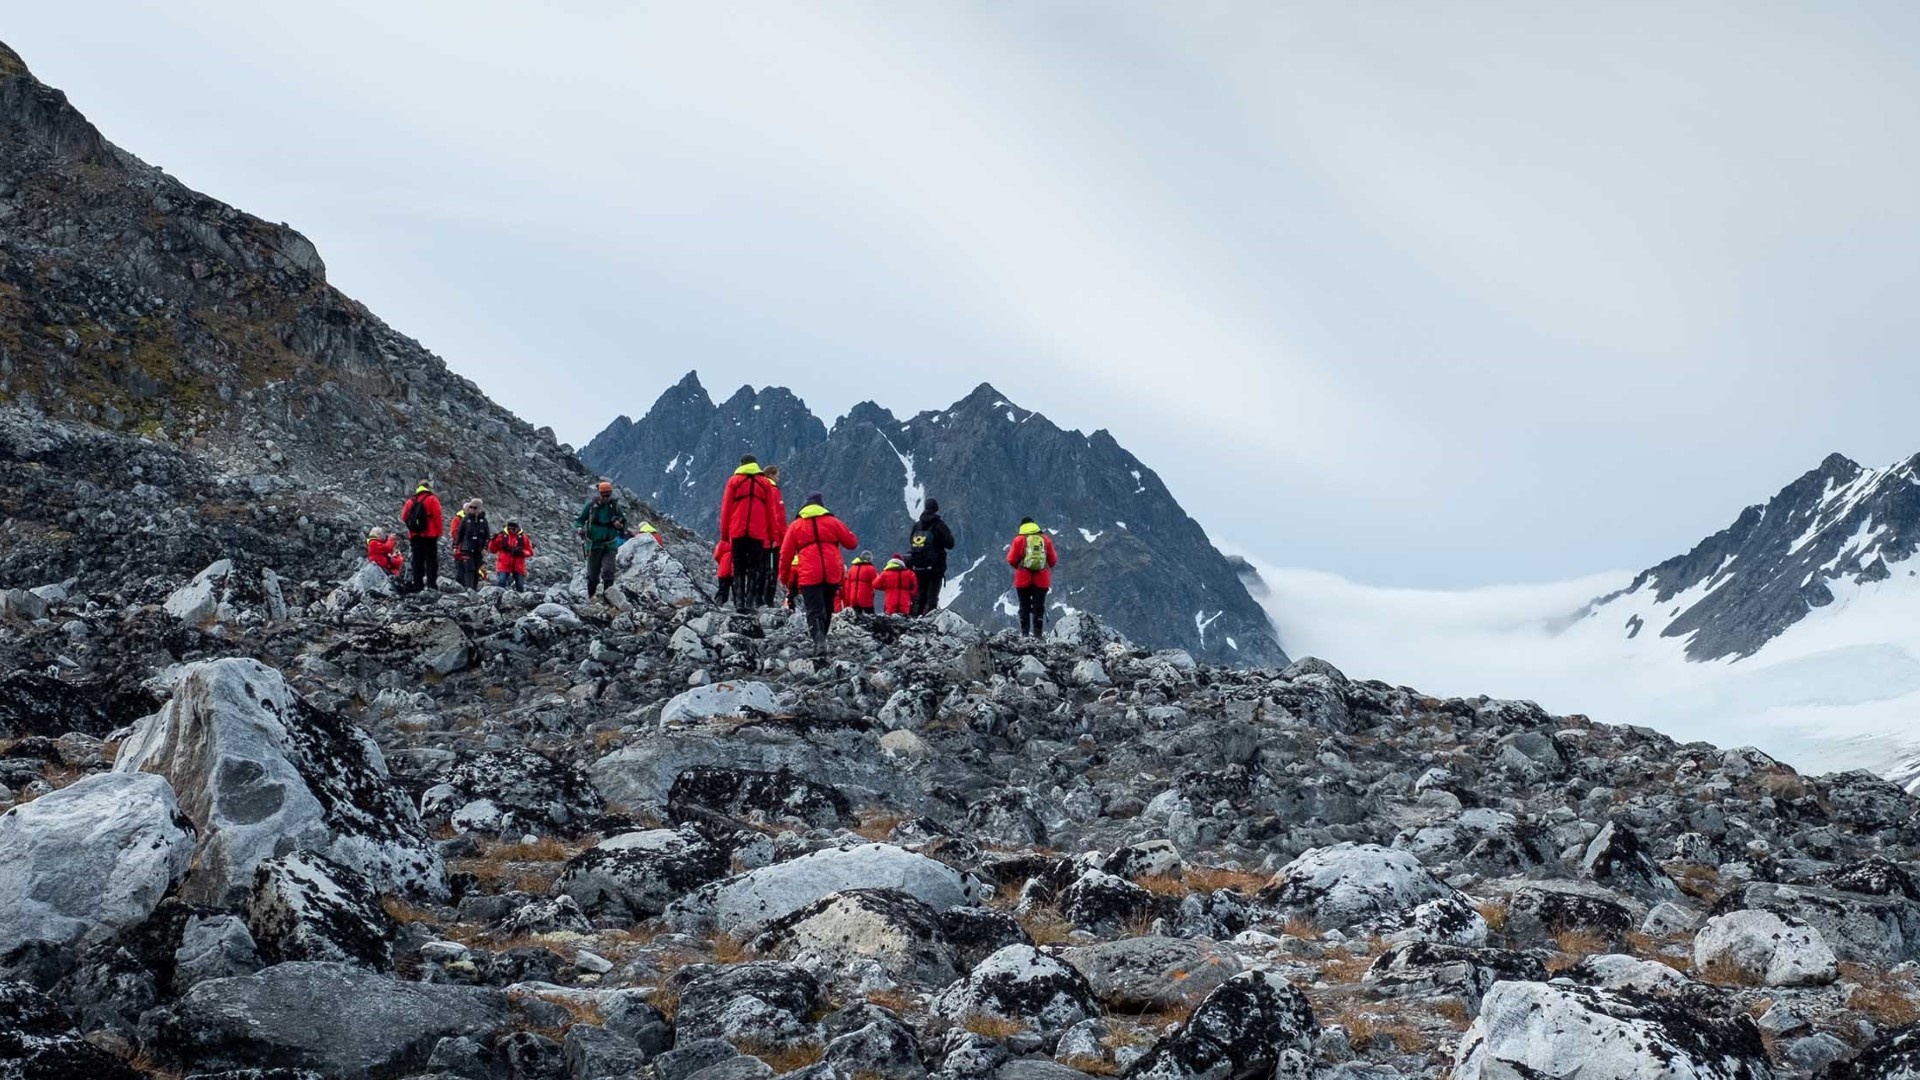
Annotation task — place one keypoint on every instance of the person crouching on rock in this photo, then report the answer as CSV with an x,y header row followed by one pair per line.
x,y
723,572
471,532
815,539
511,550
602,526
1032,557
900,584
856,595
422,516
383,551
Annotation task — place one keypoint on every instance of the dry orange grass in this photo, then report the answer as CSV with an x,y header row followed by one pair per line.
x,y
403,911
786,1059
1045,925
1302,927
897,1001
1723,972
1579,943
545,849
877,824
1888,1000
727,949
1494,912
1376,1031
1216,878
997,1028
1169,887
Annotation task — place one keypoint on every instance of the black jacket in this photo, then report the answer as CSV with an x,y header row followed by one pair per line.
x,y
472,534
933,554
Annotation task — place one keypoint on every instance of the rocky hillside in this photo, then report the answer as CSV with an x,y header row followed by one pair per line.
x,y
179,383
1129,552
497,835
1839,527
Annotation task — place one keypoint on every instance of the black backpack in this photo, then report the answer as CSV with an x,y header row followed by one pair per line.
x,y
920,549
416,518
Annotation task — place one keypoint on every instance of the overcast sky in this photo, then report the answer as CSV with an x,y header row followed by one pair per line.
x,y
1422,293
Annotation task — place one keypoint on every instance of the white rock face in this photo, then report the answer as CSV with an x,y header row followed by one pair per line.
x,y
1530,1029
368,580
1347,883
1761,947
720,700
198,602
79,863
260,774
746,903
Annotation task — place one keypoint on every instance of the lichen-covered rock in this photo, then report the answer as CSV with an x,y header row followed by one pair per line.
x,y
1895,1055
1101,902
636,875
759,1004
1348,883
1253,1025
1430,968
87,860
39,1042
1150,974
1761,948
1534,1029
1860,926
1541,909
864,940
1616,858
724,700
748,793
1022,984
305,906
1450,920
261,772
524,791
747,903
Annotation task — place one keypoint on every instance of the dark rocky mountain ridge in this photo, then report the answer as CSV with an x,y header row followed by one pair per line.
x,y
1129,553
1745,585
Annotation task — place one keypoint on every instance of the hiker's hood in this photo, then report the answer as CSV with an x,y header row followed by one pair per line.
x,y
929,514
861,560
423,490
1029,529
751,468
896,564
647,527
814,510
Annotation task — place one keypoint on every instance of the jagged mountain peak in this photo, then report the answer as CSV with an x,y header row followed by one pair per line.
x,y
1137,559
1836,528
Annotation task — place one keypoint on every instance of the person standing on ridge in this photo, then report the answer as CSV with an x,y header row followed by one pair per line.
x,y
383,551
899,583
858,590
1032,557
422,516
602,526
812,548
771,592
927,549
750,520
647,529
471,533
511,549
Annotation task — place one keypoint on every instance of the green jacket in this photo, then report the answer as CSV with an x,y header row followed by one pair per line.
x,y
603,524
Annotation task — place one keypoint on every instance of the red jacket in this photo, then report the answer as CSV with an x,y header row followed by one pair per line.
x,y
511,552
750,507
385,554
1016,552
899,583
434,521
723,558
815,538
857,591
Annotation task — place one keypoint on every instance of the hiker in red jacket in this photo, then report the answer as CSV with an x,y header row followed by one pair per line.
x,y
723,566
383,551
812,550
857,593
900,584
511,549
771,583
1032,557
750,520
421,515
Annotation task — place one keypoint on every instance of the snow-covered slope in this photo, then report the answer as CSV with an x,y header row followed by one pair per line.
x,y
1796,629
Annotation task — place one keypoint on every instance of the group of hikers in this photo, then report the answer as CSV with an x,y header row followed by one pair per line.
x,y
760,550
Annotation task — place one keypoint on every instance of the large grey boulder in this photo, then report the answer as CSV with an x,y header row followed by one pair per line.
x,y
865,940
1541,1030
636,875
1146,974
1022,984
1858,926
1348,883
39,1042
1754,947
262,773
760,1004
746,903
337,1019
92,858
305,906
198,602
724,700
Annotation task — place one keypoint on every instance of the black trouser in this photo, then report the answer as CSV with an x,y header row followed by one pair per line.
x,y
600,567
750,585
467,571
426,562
927,596
1033,610
819,602
725,590
770,577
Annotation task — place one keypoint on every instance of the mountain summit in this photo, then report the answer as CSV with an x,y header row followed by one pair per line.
x,y
1128,552
1836,529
